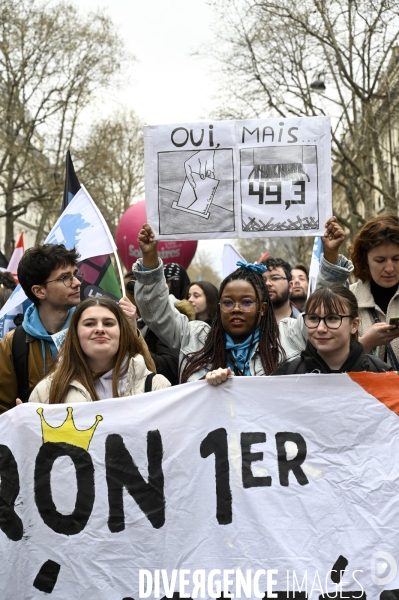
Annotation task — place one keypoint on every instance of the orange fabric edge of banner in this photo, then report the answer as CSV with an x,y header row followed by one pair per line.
x,y
383,386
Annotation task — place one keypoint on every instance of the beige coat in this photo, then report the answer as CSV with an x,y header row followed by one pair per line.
x,y
365,301
136,376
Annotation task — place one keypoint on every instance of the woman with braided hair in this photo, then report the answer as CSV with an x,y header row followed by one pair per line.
x,y
243,338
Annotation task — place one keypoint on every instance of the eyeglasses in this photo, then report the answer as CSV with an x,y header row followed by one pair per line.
x,y
246,305
67,279
275,278
331,321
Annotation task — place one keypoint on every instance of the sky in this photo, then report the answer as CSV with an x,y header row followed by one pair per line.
x,y
168,83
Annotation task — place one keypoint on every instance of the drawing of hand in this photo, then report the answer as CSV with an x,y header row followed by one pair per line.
x,y
202,163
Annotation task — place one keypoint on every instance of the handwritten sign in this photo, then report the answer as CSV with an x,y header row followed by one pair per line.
x,y
229,179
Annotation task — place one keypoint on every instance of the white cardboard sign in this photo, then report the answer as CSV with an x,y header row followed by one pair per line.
x,y
231,179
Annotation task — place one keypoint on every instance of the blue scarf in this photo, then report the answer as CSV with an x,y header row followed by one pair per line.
x,y
33,325
242,352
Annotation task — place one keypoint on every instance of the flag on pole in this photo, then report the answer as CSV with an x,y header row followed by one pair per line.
x,y
72,185
230,258
99,277
315,264
81,225
16,257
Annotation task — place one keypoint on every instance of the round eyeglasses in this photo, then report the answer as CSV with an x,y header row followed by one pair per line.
x,y
246,305
331,321
67,279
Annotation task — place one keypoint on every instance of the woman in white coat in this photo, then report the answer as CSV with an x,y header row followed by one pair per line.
x,y
103,356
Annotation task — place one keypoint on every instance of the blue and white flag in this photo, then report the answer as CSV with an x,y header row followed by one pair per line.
x,y
315,264
82,226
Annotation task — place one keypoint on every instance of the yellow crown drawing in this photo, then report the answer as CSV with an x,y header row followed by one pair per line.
x,y
67,432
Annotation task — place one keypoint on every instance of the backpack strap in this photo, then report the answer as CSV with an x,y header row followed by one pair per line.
x,y
20,351
148,382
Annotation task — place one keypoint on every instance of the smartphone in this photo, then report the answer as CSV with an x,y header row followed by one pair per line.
x,y
394,321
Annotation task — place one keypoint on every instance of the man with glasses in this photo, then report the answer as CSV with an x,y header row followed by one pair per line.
x,y
49,277
278,280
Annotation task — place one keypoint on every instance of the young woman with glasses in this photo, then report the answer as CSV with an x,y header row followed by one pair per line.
x,y
243,338
332,321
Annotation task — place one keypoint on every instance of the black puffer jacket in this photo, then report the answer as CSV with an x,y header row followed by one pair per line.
x,y
310,362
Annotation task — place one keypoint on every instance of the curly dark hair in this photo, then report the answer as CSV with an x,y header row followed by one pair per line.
x,y
383,229
39,261
274,263
213,354
7,281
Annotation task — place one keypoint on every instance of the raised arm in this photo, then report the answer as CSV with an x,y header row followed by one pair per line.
x,y
334,267
153,299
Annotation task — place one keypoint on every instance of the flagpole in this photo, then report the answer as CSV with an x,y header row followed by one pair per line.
x,y
114,248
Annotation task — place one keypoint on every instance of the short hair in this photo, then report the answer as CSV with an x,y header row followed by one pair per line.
x,y
211,294
380,230
39,261
274,263
335,299
72,362
301,267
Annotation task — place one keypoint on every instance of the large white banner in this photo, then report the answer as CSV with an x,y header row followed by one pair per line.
x,y
228,179
261,484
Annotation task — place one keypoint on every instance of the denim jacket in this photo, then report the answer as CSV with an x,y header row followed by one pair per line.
x,y
174,329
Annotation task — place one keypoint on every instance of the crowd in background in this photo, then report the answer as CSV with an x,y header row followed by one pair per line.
x,y
167,330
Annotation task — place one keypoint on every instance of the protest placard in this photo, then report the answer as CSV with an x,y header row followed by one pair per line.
x,y
229,179
279,479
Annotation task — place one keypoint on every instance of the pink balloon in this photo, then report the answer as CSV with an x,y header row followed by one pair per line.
x,y
128,229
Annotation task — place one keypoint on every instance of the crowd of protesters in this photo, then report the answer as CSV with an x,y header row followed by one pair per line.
x,y
168,331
